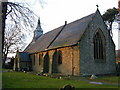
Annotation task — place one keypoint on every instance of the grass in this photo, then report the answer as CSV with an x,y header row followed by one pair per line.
x,y
25,80
107,79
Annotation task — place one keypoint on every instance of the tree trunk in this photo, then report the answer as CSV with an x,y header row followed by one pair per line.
x,y
4,59
4,11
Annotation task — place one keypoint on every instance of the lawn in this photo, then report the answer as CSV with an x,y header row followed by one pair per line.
x,y
107,79
25,80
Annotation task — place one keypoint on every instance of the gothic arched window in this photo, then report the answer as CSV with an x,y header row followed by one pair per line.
x,y
98,46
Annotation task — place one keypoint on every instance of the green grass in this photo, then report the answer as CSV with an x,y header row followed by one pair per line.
x,y
107,79
25,80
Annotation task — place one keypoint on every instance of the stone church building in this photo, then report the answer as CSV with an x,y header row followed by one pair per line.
x,y
82,47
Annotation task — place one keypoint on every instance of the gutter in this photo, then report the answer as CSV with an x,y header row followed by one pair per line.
x,y
55,48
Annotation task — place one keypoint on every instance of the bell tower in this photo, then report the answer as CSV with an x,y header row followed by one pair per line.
x,y
38,31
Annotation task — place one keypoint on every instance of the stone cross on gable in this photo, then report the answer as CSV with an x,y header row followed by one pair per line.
x,y
97,5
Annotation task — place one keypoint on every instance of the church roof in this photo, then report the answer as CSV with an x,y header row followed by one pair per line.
x,y
66,35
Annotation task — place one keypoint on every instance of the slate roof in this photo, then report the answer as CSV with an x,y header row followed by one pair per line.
x,y
43,42
24,57
62,36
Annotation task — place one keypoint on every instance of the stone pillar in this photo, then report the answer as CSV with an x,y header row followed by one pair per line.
x,y
50,63
72,61
41,65
51,59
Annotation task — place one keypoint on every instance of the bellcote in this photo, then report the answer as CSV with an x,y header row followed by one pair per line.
x,y
38,31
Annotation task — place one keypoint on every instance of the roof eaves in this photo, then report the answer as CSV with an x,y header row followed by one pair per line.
x,y
55,48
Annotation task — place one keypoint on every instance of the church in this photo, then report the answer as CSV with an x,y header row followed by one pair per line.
x,y
82,47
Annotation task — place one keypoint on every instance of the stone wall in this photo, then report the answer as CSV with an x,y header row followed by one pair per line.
x,y
68,66
88,65
36,65
25,66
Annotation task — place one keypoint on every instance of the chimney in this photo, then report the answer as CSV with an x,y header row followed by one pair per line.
x,y
65,22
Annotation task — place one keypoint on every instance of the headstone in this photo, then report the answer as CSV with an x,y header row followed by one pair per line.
x,y
93,77
60,77
68,87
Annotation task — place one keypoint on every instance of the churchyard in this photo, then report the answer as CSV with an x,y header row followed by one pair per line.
x,y
29,80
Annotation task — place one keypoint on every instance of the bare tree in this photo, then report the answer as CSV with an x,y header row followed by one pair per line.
x,y
22,20
20,15
19,19
13,40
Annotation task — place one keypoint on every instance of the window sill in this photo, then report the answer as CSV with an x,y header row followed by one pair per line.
x,y
100,60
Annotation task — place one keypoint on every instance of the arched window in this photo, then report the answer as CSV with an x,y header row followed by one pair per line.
x,y
59,57
46,63
57,60
99,44
54,62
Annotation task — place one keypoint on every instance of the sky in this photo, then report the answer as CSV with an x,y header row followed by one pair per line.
x,y
54,13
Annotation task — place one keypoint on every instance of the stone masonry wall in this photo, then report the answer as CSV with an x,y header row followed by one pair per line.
x,y
35,63
70,61
88,66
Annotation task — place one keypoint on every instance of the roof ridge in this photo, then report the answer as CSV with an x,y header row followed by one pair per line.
x,y
82,18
